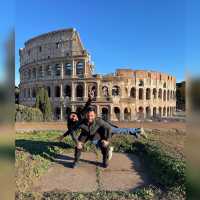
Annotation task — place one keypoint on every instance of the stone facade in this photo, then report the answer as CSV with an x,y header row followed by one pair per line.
x,y
59,62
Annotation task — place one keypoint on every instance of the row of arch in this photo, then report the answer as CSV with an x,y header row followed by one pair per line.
x,y
79,92
123,114
49,70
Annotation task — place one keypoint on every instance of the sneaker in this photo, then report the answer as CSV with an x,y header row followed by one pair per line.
x,y
110,153
75,165
143,134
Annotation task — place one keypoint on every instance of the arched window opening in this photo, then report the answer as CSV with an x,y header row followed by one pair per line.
x,y
127,114
34,73
67,91
57,70
148,93
154,112
133,92
33,93
141,94
68,69
105,113
57,113
164,111
164,95
115,91
160,94
105,91
57,91
117,113
154,93
79,91
148,112
48,70
79,68
141,83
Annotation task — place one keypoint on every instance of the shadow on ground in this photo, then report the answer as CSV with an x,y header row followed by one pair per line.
x,y
47,150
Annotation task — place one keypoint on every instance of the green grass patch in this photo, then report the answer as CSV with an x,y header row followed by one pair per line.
x,y
35,152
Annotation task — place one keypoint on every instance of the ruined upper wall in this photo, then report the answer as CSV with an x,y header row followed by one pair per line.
x,y
55,44
145,74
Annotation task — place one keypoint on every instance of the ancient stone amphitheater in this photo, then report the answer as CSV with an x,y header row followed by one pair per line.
x,y
59,62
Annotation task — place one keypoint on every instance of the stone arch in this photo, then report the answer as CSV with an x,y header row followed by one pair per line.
x,y
164,95
33,92
92,88
116,90
141,109
164,111
148,94
57,113
67,91
160,111
117,113
67,111
148,112
154,112
57,70
105,91
168,112
168,95
171,94
133,92
79,90
141,83
127,114
34,73
141,93
57,91
160,93
105,113
154,93
29,74
80,68
126,91
68,69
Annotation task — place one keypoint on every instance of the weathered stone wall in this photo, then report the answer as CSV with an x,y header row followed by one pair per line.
x,y
59,62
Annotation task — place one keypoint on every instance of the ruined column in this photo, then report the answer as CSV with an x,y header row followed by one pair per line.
x,y
73,91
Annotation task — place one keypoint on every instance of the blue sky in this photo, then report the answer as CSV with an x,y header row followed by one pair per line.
x,y
137,34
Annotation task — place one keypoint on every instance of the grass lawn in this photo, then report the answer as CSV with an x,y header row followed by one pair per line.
x,y
162,152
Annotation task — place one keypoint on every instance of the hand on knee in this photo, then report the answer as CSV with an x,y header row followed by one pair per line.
x,y
105,143
79,145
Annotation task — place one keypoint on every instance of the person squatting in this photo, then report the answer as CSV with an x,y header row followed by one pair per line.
x,y
96,130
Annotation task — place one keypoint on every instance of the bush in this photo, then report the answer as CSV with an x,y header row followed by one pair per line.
x,y
27,114
43,103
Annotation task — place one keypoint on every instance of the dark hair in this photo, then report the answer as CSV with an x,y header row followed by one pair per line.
x,y
90,109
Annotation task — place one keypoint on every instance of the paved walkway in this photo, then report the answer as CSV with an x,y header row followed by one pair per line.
x,y
124,173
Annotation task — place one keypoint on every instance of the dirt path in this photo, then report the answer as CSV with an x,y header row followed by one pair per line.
x,y
124,173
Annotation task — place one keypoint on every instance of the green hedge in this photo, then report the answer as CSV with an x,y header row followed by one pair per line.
x,y
27,114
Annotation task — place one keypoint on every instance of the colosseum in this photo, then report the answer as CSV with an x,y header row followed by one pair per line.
x,y
59,62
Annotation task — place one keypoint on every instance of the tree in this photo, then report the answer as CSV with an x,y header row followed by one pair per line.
x,y
44,104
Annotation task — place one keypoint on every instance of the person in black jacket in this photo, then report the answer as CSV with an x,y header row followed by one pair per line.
x,y
92,129
74,118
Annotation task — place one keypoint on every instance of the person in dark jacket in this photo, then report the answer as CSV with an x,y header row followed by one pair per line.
x,y
92,129
74,118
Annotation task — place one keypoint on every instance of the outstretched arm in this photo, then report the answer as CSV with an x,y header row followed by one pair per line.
x,y
88,103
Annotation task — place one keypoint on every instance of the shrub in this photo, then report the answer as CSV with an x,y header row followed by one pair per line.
x,y
43,103
27,114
